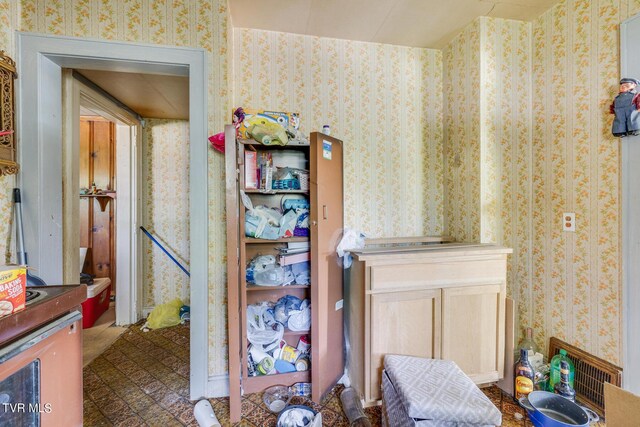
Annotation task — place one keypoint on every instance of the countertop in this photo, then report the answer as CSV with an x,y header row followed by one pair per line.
x,y
58,301
422,250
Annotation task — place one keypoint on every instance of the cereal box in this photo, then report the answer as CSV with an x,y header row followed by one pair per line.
x,y
13,289
287,120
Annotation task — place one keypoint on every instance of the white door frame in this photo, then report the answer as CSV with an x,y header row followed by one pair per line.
x,y
127,215
630,159
40,60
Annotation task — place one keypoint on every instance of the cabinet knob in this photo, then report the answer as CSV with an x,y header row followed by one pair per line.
x,y
314,223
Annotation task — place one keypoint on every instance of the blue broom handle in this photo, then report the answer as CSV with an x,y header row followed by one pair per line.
x,y
153,239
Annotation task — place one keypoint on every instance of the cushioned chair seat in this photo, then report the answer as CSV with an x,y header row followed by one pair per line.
x,y
428,392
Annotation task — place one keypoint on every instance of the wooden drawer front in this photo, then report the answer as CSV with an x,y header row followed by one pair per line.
x,y
405,323
437,274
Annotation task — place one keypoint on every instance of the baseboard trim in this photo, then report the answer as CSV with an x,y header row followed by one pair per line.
x,y
218,386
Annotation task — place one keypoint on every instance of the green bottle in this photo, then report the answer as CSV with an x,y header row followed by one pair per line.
x,y
563,388
554,374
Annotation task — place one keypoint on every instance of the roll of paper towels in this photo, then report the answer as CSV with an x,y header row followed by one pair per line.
x,y
204,414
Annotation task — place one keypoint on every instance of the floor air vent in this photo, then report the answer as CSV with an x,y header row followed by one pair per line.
x,y
591,374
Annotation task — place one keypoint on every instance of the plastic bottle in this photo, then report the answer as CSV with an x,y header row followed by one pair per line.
x,y
554,373
563,388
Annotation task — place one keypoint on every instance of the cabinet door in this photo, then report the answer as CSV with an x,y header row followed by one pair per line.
x,y
473,330
326,220
233,282
406,323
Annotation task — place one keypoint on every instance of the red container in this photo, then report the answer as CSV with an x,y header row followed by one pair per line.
x,y
97,301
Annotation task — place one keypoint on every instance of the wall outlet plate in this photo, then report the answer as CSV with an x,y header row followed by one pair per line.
x,y
569,221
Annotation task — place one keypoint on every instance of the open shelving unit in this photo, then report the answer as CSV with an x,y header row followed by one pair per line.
x,y
325,291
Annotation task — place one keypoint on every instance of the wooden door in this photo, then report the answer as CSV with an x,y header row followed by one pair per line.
x,y
473,330
406,323
327,222
233,279
97,164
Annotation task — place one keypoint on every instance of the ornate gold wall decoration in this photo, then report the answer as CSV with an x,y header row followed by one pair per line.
x,y
8,165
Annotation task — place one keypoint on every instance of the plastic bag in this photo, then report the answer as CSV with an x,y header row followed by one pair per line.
x,y
271,276
284,306
268,133
351,240
164,315
262,331
300,320
288,223
260,221
217,141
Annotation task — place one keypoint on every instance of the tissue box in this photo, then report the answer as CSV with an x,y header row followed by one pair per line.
x,y
13,289
287,120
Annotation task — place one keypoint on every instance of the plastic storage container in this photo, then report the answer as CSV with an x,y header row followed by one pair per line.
x,y
554,373
97,301
289,158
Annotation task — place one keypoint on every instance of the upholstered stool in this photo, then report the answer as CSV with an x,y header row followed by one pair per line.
x,y
428,392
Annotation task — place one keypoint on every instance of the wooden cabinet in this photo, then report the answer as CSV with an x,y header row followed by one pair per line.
x,y
439,301
404,323
473,330
325,291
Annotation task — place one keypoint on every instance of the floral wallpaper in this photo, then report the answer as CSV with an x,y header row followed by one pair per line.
x,y
197,23
537,142
461,59
576,292
488,143
565,284
165,201
9,18
383,101
506,147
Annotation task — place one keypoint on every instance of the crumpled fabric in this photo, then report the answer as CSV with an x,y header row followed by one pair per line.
x,y
299,416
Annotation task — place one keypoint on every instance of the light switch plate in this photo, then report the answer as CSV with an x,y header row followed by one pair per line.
x,y
569,221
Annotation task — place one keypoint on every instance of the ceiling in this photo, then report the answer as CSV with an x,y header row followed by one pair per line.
x,y
419,23
150,95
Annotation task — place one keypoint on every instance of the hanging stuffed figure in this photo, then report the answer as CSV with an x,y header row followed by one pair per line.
x,y
625,107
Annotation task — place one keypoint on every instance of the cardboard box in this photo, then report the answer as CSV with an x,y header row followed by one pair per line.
x,y
250,170
287,120
13,289
622,408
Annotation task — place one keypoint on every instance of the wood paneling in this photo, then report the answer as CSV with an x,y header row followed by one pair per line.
x,y
97,165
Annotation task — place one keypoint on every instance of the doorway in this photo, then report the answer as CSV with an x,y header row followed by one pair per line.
x,y
41,60
102,159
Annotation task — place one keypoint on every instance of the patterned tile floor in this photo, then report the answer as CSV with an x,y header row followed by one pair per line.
x,y
143,380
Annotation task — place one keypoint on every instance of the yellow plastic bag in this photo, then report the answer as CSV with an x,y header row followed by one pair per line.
x,y
164,315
